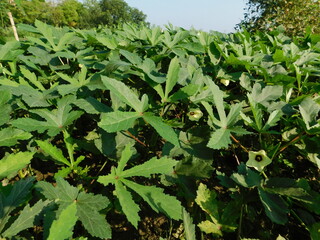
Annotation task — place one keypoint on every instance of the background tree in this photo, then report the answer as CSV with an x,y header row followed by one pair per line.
x,y
114,12
294,15
87,14
32,10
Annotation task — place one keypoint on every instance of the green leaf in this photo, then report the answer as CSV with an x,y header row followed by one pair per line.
x,y
309,110
315,231
125,157
25,219
158,201
163,129
92,106
55,120
233,114
10,51
14,162
46,31
63,172
94,223
266,94
172,77
206,199
108,179
123,92
62,227
184,92
5,96
219,139
289,187
274,117
53,152
64,40
63,193
210,227
163,165
5,113
32,78
17,196
246,177
218,101
108,41
132,57
117,121
87,205
189,227
129,207
275,207
29,124
194,167
89,201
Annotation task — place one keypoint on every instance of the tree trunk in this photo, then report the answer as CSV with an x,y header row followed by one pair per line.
x,y
14,29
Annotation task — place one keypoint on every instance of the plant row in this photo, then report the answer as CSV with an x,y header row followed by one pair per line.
x,y
216,131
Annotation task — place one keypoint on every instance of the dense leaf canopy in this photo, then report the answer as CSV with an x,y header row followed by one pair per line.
x,y
87,14
295,16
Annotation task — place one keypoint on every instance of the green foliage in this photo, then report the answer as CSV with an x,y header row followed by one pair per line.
x,y
14,162
87,209
221,219
225,126
12,197
295,16
74,13
189,227
62,227
154,196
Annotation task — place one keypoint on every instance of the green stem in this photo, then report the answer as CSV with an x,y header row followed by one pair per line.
x,y
299,219
264,174
240,223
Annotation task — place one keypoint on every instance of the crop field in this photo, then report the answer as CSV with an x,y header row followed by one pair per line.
x,y
150,133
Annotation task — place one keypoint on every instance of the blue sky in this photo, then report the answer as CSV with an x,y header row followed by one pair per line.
x,y
206,15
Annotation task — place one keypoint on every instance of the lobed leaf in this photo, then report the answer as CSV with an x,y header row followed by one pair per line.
x,y
62,227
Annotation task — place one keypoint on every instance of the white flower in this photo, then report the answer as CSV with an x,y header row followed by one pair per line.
x,y
258,160
195,114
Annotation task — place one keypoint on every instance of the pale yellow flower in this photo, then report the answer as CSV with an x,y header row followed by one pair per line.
x,y
258,160
195,114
